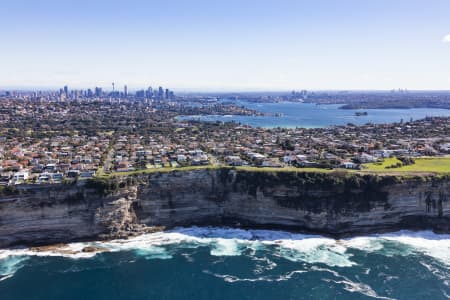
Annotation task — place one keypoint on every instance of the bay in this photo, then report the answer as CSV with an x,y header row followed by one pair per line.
x,y
310,115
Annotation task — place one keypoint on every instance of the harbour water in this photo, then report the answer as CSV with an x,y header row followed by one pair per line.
x,y
224,263
310,115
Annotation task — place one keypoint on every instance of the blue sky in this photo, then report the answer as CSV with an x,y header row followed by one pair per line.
x,y
226,45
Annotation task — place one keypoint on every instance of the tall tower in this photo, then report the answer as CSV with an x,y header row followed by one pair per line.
x,y
160,93
113,89
66,91
125,91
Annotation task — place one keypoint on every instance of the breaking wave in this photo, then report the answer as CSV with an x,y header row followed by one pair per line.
x,y
9,265
405,243
225,242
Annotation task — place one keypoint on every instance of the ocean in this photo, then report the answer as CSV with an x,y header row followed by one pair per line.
x,y
310,115
225,263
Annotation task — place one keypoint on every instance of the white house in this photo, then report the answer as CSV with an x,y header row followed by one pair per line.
x,y
301,157
366,158
349,165
181,158
20,177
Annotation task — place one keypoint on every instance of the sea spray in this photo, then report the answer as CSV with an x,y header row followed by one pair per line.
x,y
230,242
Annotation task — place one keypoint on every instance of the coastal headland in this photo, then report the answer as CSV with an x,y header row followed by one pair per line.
x,y
332,203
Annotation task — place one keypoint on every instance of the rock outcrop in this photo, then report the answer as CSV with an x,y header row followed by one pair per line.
x,y
334,204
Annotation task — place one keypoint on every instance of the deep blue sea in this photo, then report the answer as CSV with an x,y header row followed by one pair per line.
x,y
220,263
310,115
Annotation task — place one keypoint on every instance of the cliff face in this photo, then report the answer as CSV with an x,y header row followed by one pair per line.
x,y
53,214
326,203
335,204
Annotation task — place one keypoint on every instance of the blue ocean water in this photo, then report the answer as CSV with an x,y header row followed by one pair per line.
x,y
310,115
221,263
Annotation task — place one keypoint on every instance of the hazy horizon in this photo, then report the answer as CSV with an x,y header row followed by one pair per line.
x,y
199,91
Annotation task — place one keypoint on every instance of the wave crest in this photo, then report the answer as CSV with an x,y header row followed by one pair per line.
x,y
311,249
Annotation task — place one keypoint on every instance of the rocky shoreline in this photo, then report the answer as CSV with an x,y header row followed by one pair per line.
x,y
332,204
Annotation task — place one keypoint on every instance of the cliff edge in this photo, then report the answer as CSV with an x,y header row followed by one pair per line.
x,y
336,204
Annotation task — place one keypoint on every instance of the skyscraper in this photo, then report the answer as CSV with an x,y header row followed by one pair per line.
x,y
98,91
66,91
125,91
140,94
160,93
149,92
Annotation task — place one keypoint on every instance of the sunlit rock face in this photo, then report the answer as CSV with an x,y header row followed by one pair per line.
x,y
335,204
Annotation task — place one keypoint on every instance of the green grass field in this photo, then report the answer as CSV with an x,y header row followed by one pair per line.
x,y
285,169
422,165
101,174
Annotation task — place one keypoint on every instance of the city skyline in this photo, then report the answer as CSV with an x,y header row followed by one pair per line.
x,y
232,46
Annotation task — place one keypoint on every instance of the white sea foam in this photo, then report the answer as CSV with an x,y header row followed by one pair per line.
x,y
263,264
153,252
442,275
9,265
311,249
405,243
368,244
226,247
358,287
349,285
428,243
232,278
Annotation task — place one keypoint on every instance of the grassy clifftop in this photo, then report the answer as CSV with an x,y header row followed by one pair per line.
x,y
272,177
439,165
101,174
432,165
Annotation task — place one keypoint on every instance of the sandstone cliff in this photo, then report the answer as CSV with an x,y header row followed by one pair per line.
x,y
335,204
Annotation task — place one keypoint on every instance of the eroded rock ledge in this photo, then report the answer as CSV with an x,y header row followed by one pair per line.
x,y
335,204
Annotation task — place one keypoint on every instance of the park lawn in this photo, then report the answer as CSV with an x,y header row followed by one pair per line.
x,y
423,164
